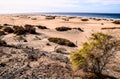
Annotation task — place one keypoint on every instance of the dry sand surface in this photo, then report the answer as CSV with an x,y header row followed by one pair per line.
x,y
41,42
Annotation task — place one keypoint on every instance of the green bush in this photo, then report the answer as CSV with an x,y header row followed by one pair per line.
x,y
95,55
63,28
117,22
84,20
2,33
8,29
62,41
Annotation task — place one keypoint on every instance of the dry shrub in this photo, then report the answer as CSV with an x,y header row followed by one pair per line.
x,y
50,17
110,28
63,28
2,33
61,50
8,29
6,25
41,27
79,29
19,30
84,20
117,22
30,29
62,41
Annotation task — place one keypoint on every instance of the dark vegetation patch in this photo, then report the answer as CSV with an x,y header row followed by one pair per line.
x,y
110,28
19,30
2,33
41,27
62,41
8,29
6,24
50,17
117,22
30,29
63,28
79,29
84,20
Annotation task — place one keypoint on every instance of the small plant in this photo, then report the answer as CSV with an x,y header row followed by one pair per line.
x,y
42,27
79,29
19,30
8,29
30,29
84,20
63,28
6,25
34,18
117,22
62,41
2,33
61,50
110,28
50,17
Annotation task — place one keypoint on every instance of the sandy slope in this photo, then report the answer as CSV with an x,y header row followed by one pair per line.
x,y
40,41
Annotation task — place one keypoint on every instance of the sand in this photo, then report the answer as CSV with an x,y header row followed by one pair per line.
x,y
40,41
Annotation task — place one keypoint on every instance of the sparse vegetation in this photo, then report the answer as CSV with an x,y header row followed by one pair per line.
x,y
50,17
79,29
117,22
30,29
2,33
6,25
95,55
41,27
19,30
62,41
34,18
84,20
61,50
8,29
110,28
63,28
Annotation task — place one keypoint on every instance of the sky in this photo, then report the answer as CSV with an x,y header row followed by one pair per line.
x,y
30,6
